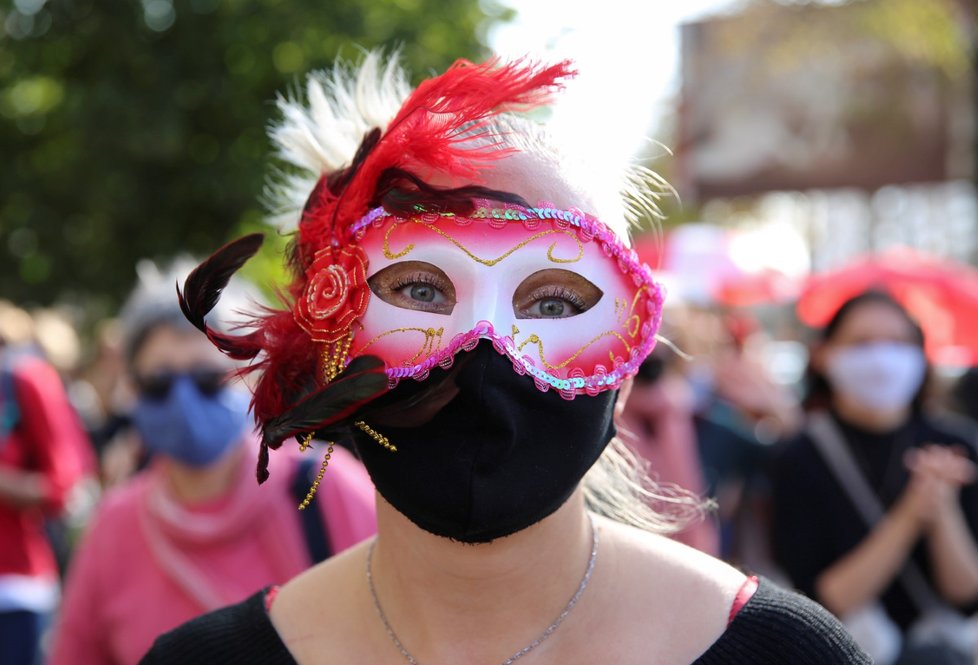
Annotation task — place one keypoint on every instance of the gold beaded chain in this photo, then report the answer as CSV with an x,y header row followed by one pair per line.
x,y
333,360
376,436
319,478
334,357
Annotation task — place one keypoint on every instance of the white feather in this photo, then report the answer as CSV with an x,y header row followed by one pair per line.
x,y
321,134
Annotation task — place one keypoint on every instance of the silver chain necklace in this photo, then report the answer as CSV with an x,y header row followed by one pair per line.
x,y
522,652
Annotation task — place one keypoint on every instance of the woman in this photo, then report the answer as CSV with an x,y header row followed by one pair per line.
x,y
191,534
876,510
42,461
503,330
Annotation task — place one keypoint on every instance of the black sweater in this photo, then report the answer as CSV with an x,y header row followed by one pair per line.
x,y
775,627
815,524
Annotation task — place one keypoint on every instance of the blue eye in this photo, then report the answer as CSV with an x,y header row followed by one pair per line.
x,y
423,292
415,285
554,294
553,308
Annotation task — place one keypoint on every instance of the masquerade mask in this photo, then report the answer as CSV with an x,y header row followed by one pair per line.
x,y
555,291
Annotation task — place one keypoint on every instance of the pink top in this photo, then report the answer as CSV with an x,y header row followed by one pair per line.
x,y
148,564
49,440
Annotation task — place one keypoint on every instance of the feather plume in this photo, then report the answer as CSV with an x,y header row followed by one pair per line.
x,y
202,289
441,127
363,381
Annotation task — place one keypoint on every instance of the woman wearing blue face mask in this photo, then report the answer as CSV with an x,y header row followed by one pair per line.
x,y
193,531
875,505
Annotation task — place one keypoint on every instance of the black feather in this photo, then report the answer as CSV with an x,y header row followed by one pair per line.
x,y
363,381
202,288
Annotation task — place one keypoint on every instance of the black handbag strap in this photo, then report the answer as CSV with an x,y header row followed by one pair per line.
x,y
311,519
830,443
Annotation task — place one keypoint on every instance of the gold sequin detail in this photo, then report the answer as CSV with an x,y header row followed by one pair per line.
x,y
376,436
487,262
319,478
535,339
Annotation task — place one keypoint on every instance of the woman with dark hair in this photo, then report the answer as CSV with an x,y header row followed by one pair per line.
x,y
465,307
875,508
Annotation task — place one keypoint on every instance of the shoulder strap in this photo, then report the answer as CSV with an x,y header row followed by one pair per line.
x,y
830,444
311,519
9,409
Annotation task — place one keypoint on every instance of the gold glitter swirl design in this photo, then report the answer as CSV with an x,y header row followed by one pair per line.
x,y
487,262
431,344
535,339
633,323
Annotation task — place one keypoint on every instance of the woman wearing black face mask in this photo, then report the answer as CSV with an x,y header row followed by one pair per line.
x,y
876,510
463,312
190,534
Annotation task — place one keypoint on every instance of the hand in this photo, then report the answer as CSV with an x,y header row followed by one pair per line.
x,y
937,473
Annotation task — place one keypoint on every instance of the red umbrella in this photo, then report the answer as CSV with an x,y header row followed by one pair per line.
x,y
942,295
765,287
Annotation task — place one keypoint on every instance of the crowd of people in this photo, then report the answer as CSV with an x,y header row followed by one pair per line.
x,y
447,470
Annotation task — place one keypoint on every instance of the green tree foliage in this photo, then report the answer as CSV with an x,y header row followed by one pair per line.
x,y
133,129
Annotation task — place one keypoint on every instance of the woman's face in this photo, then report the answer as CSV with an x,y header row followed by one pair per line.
x,y
185,411
873,359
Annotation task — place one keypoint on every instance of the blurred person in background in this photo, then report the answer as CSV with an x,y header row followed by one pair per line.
x,y
962,397
41,460
193,531
57,341
658,425
875,506
104,398
738,410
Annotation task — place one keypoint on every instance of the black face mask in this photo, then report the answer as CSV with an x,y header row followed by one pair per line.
x,y
496,459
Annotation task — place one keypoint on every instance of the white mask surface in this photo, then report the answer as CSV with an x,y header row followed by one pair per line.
x,y
881,375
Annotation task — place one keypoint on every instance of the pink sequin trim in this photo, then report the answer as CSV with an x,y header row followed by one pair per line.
x,y
589,229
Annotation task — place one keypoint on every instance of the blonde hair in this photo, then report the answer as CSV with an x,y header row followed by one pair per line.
x,y
621,486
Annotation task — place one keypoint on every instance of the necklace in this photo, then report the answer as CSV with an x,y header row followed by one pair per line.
x,y
522,652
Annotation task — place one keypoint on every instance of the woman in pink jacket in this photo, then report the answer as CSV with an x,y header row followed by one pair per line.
x,y
194,531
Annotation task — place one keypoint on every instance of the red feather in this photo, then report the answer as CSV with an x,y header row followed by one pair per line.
x,y
432,132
